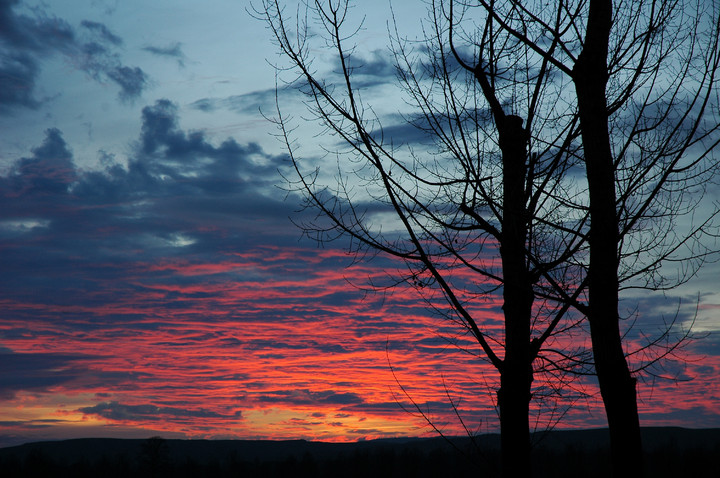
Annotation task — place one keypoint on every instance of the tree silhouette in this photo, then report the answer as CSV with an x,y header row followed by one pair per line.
x,y
646,85
154,457
493,187
515,100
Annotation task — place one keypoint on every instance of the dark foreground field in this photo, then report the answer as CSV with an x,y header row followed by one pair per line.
x,y
670,452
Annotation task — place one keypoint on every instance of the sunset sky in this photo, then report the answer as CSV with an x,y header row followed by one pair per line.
x,y
152,281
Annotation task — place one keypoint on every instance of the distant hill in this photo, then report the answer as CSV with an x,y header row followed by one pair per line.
x,y
669,452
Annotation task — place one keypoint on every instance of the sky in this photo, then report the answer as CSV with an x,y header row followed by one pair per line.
x,y
153,280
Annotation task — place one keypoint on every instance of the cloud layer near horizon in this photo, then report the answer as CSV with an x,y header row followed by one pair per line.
x,y
172,286
169,292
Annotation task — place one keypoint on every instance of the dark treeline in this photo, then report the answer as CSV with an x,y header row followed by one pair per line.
x,y
671,452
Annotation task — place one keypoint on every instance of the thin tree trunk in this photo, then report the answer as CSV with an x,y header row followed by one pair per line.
x,y
617,386
516,373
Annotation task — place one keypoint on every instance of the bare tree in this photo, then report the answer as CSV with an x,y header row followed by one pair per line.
x,y
495,185
491,90
645,78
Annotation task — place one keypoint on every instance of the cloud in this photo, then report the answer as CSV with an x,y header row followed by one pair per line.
x,y
231,176
308,397
207,105
44,372
24,41
73,236
17,80
38,34
176,174
377,68
49,171
97,56
252,102
169,51
27,40
36,187
132,81
103,31
26,425
117,411
33,372
402,131
685,416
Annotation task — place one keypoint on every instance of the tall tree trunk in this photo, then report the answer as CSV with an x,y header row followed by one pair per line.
x,y
516,373
617,386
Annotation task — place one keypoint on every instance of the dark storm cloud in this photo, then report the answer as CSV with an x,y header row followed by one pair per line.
x,y
26,40
118,411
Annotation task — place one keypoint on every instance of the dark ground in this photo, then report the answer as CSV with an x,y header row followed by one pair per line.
x,y
670,452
